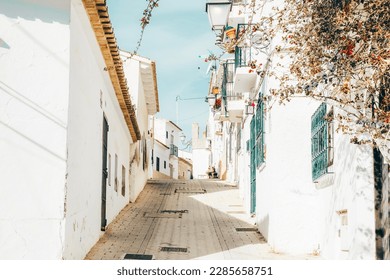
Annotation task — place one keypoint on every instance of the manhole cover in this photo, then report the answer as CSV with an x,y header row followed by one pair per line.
x,y
174,211
138,257
174,249
246,229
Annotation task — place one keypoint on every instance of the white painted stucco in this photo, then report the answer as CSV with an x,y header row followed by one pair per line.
x,y
167,133
54,93
201,153
161,154
34,86
295,214
141,160
91,97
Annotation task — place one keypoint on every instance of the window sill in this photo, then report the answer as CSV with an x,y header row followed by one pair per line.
x,y
325,180
261,167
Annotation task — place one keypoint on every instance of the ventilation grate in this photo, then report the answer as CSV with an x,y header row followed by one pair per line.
x,y
138,257
197,191
174,211
163,215
246,229
174,249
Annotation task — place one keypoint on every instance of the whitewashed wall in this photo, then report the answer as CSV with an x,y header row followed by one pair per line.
x,y
298,216
173,131
288,205
201,162
139,172
91,97
34,86
160,129
162,153
351,188
244,160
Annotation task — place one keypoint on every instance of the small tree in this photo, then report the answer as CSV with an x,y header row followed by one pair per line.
x,y
339,52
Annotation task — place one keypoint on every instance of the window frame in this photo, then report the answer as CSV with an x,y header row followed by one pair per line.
x,y
322,141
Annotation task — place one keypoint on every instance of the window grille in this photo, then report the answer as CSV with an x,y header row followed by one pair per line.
x,y
321,142
238,138
227,82
259,120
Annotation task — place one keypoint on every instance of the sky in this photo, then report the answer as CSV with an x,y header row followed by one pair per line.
x,y
178,39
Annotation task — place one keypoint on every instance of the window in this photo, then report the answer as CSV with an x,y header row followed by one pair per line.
x,y
165,164
238,138
230,146
116,173
321,141
157,163
166,134
259,133
123,180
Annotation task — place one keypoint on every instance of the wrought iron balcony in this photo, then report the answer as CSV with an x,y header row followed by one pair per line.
x,y
173,151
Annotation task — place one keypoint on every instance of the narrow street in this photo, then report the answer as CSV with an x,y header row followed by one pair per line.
x,y
180,220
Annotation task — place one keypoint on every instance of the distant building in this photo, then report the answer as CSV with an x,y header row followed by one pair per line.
x,y
201,154
166,152
185,169
142,79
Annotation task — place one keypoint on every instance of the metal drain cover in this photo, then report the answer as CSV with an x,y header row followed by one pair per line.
x,y
246,229
138,257
163,215
174,211
174,249
187,190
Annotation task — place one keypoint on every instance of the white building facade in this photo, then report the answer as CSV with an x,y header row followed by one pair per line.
x,y
166,152
142,79
67,126
310,190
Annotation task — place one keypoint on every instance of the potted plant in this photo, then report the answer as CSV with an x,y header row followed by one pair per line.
x,y
215,90
230,32
218,103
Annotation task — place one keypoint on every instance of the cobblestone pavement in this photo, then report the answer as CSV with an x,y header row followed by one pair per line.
x,y
181,220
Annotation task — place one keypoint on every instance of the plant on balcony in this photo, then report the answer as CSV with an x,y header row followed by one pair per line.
x,y
230,32
218,103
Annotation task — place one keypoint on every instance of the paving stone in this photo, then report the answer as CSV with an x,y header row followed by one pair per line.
x,y
208,229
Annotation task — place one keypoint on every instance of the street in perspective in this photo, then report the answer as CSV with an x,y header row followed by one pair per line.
x,y
195,130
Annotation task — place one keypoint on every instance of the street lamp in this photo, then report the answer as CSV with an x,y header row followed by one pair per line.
x,y
183,141
218,11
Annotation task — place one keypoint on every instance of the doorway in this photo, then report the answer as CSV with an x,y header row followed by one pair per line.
x,y
103,223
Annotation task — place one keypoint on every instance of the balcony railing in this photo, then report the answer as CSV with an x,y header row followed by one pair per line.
x,y
227,81
173,151
243,55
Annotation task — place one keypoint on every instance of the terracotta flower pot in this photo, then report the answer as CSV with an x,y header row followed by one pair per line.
x,y
231,33
215,90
